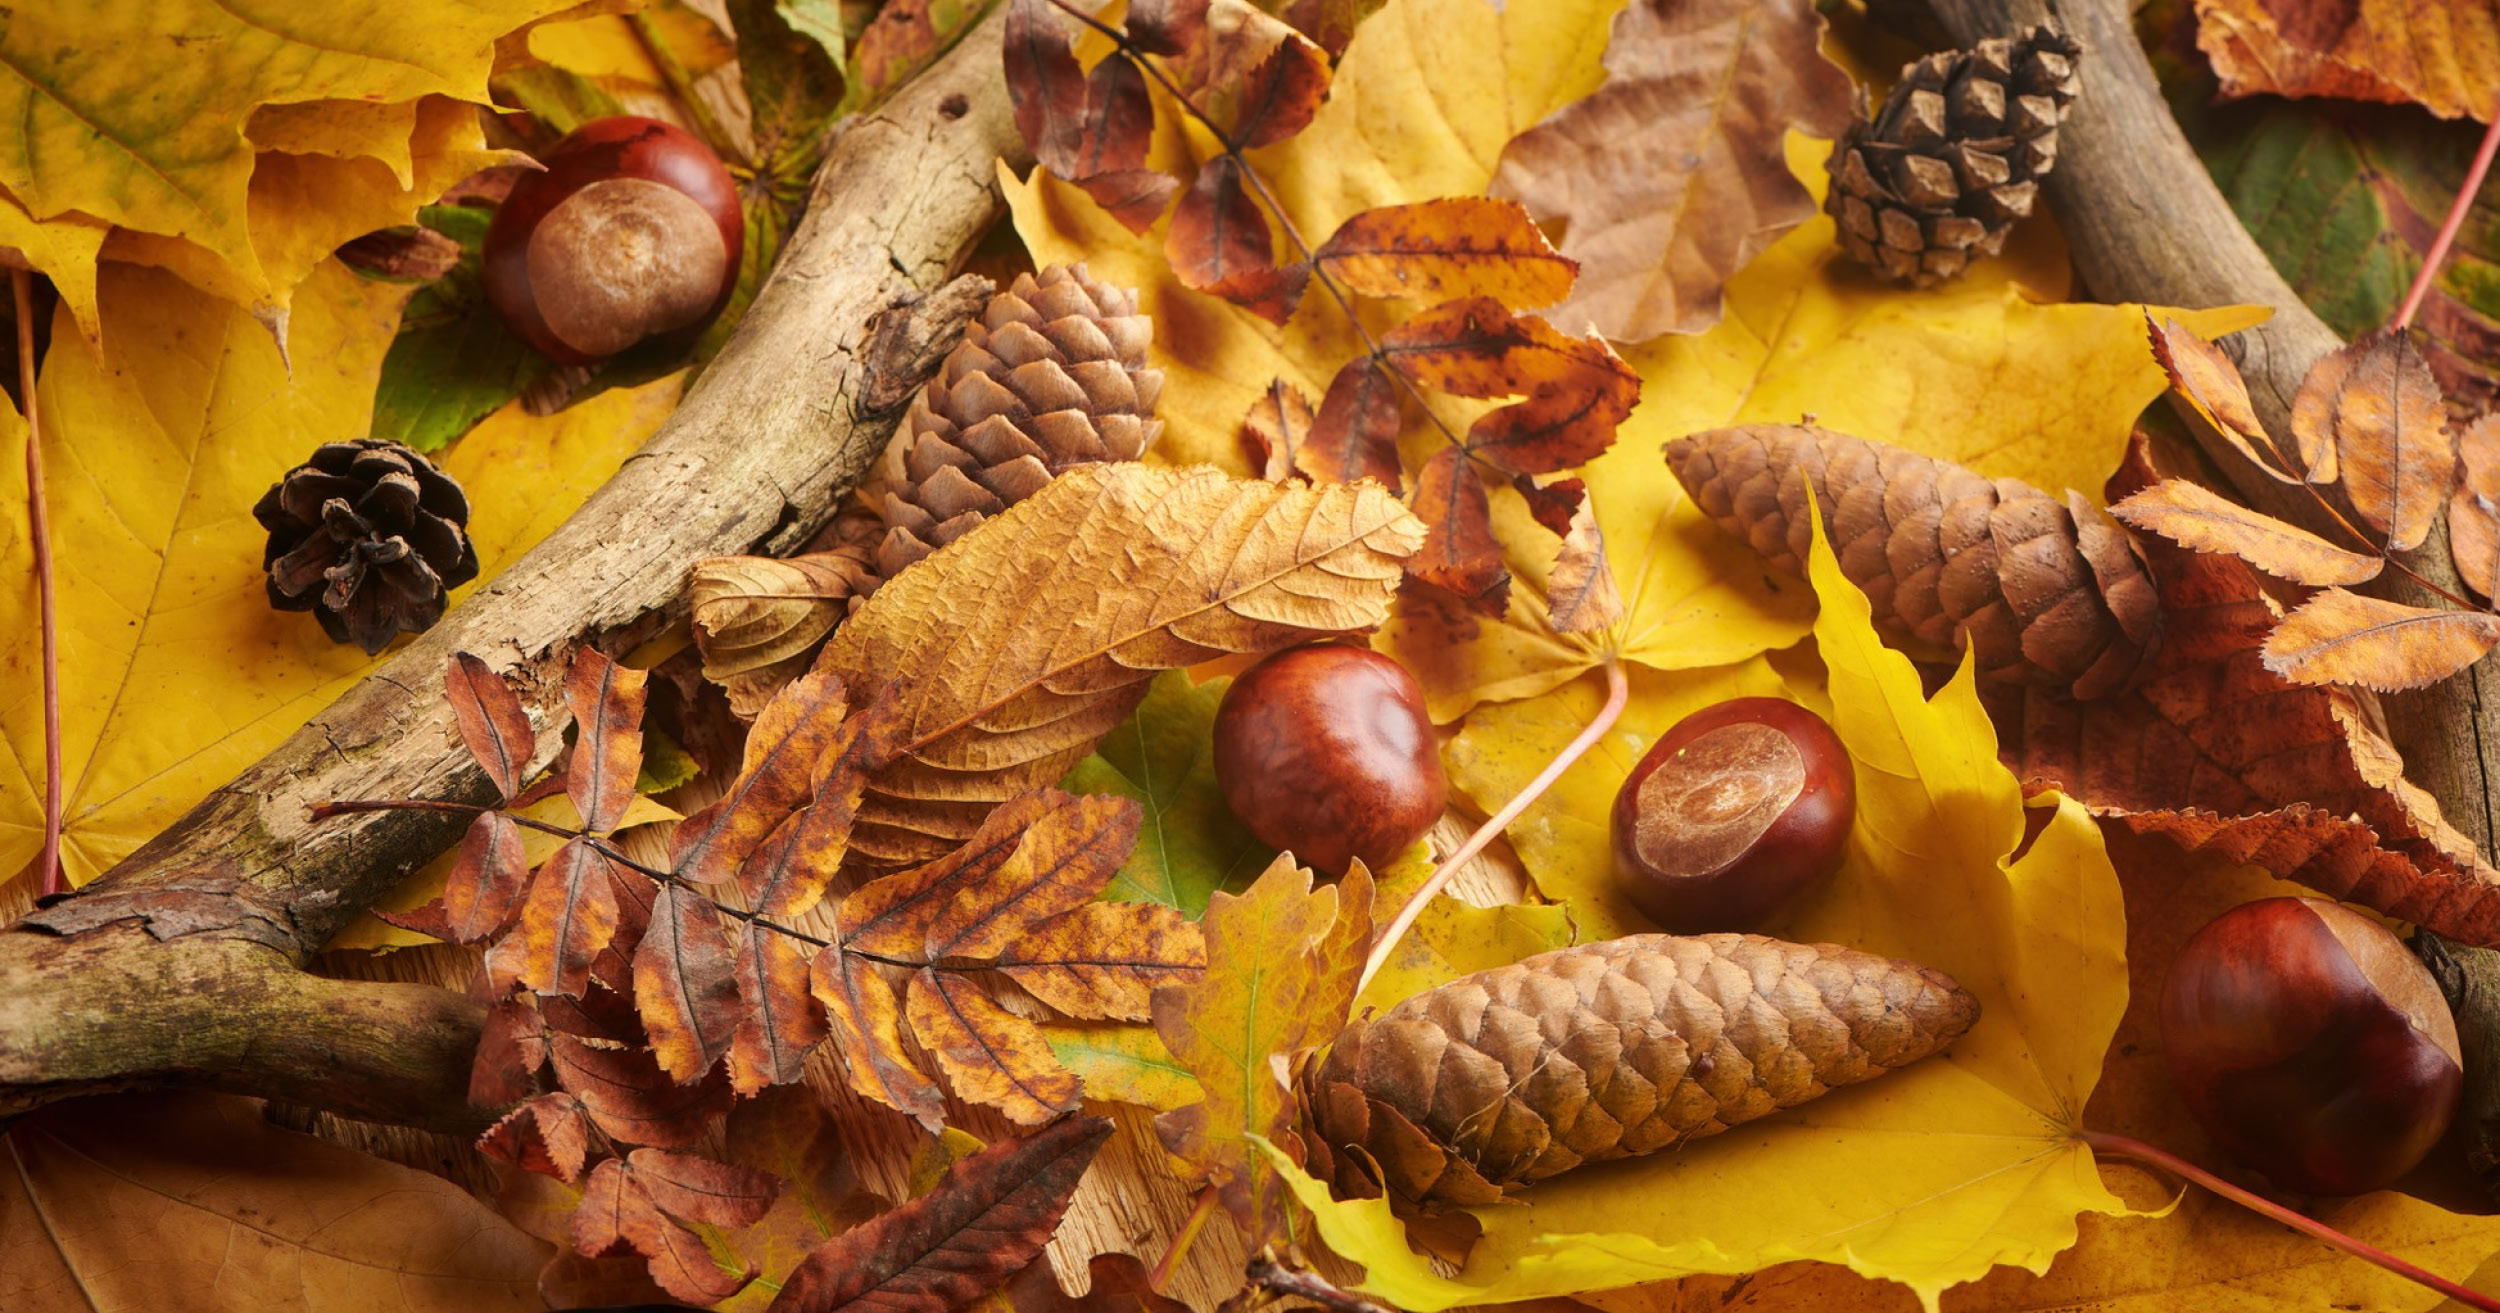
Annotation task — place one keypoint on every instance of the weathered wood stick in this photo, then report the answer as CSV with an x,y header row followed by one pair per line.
x,y
2145,222
182,963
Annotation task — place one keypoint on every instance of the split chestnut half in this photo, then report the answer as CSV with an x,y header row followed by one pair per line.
x,y
1325,751
2311,1045
631,231
1734,815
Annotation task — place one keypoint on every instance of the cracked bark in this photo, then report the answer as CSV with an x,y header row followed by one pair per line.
x,y
183,963
2145,222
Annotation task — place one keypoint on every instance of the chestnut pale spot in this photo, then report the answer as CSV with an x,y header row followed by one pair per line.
x,y
623,259
1708,803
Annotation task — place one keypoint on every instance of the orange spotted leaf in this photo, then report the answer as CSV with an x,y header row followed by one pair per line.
x,y
685,984
1356,433
780,1022
607,701
1032,859
789,737
787,875
569,915
491,719
1460,246
990,1055
1103,961
866,1024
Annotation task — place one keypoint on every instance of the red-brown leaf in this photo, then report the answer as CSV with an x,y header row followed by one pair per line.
x,y
685,985
1282,93
1556,504
569,915
1119,121
789,737
1120,1283
781,1022
990,1056
607,701
483,892
1102,961
1033,858
511,1048
866,1023
549,1134
1460,246
2376,406
788,874
492,721
621,1205
2198,519
1356,433
2474,509
1273,432
701,1189
990,1215
631,1099
1167,27
2338,637
1219,244
1135,197
2208,381
1045,84
1578,390
1460,555
599,1219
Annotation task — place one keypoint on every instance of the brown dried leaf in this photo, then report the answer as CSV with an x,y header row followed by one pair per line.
x,y
1032,859
2201,520
2338,637
990,1056
1167,27
607,701
1281,94
569,915
989,1216
1026,640
1579,391
1045,84
637,1203
1580,594
1460,246
1118,1283
511,1048
685,984
757,619
1460,555
703,1190
2442,55
1356,433
483,892
631,1099
1103,961
2474,509
781,1022
492,721
2208,381
2375,405
1673,174
1553,504
549,1135
1273,432
866,1022
783,749
1219,244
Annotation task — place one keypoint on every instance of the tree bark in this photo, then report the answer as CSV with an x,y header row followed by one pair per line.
x,y
2145,222
183,962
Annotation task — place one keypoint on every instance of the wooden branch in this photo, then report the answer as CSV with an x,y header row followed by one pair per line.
x,y
2145,222
182,962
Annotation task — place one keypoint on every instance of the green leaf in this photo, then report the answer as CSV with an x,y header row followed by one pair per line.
x,y
453,362
1124,1063
665,762
1164,757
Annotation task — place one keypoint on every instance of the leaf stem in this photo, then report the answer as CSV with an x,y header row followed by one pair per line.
x,y
1269,1275
39,525
1618,692
1179,1248
2120,1146
2437,255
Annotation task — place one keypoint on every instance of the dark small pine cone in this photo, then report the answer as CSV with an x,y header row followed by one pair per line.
x,y
368,536
1955,156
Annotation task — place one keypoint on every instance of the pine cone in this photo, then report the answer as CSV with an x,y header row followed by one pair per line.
x,y
1053,374
1609,1050
1954,157
368,536
2049,594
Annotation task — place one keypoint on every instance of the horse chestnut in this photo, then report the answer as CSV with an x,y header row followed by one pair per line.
x,y
2311,1045
631,231
1325,750
1732,815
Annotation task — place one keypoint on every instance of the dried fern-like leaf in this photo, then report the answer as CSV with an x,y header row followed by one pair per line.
x,y
1026,640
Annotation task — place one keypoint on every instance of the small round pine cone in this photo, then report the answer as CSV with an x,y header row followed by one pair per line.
x,y
368,536
1501,1079
2049,593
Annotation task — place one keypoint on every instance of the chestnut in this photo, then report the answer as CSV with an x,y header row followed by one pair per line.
x,y
1324,750
632,230
2311,1045
1733,815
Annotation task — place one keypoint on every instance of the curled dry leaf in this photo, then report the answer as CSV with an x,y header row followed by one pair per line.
x,y
1023,642
1672,175
989,1216
1439,250
2208,381
2474,509
1273,432
2338,637
1581,595
759,618
492,721
2375,407
2201,520
548,1134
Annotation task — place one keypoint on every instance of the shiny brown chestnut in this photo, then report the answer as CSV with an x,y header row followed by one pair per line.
x,y
632,230
2311,1045
1324,750
1733,815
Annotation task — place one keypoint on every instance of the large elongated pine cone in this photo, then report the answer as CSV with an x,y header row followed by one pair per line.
x,y
1498,1080
1051,376
2048,593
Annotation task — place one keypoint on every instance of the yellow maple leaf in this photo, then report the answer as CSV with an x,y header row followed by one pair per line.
x,y
1930,1176
176,673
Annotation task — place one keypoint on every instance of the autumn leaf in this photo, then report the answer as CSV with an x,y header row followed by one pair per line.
x,y
548,1134
1446,249
630,1099
2207,380
1949,1168
2374,405
2445,57
2201,520
2474,509
788,1132
686,985
1273,432
647,1201
781,1021
776,776
1021,644
1671,175
989,1216
2339,637
492,721
866,1020
194,1201
1122,1064
1189,844
488,877
569,915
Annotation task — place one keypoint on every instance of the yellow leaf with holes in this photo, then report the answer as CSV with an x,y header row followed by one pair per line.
x,y
176,673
